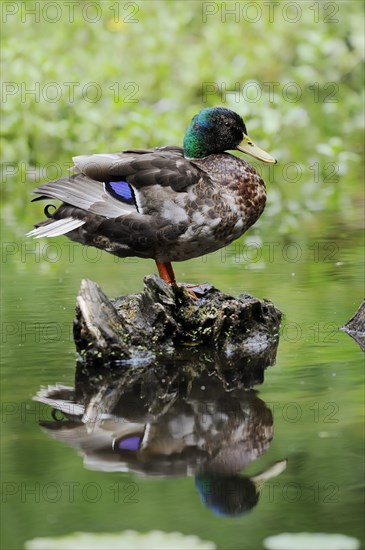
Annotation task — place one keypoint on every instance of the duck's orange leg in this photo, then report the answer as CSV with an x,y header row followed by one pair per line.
x,y
166,272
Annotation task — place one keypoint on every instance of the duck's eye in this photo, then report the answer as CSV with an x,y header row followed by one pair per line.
x,y
227,123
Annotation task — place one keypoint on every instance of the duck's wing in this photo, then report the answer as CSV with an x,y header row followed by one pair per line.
x,y
154,175
118,184
86,195
164,166
114,184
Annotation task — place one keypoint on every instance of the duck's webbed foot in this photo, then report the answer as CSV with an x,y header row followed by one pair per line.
x,y
196,291
166,273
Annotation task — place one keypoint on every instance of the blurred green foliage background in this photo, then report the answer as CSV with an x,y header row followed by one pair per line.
x,y
89,77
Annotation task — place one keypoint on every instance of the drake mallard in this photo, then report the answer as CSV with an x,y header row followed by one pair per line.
x,y
167,203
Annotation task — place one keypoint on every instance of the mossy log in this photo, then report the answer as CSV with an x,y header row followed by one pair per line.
x,y
164,323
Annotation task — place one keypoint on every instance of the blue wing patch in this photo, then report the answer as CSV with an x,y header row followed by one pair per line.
x,y
129,443
121,190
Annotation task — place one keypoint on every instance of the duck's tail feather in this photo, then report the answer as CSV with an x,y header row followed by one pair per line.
x,y
54,228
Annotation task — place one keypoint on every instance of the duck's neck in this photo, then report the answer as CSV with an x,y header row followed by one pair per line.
x,y
197,142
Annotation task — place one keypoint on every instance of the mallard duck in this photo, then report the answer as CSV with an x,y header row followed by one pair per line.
x,y
167,203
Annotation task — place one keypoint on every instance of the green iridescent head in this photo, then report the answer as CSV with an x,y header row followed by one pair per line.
x,y
217,129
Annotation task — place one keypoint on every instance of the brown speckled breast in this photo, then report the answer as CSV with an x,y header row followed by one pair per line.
x,y
229,198
235,176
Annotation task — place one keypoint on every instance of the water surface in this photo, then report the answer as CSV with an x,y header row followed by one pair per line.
x,y
315,394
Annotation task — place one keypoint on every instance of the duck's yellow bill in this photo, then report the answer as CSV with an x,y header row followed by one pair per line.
x,y
248,146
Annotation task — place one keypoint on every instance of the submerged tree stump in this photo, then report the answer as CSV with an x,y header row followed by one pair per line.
x,y
164,323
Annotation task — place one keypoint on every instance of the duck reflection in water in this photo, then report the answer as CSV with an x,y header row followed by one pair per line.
x,y
178,426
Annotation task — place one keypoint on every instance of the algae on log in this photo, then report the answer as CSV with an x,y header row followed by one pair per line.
x,y
164,323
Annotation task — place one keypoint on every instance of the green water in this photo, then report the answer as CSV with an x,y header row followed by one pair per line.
x,y
315,392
